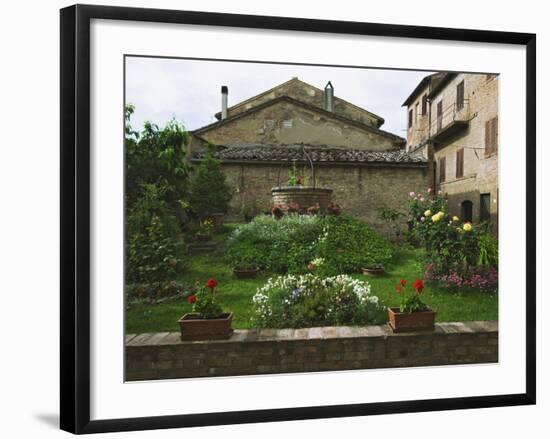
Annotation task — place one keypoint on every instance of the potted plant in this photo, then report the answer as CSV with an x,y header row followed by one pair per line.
x,y
246,271
373,270
244,264
207,321
206,226
412,314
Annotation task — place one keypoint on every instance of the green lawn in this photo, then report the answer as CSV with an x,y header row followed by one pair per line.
x,y
236,294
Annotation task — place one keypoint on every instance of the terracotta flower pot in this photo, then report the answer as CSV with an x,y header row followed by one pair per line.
x,y
373,271
193,327
411,321
245,273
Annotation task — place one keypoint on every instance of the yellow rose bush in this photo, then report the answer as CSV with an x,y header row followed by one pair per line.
x,y
452,248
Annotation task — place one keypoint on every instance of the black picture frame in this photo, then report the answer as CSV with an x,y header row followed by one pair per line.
x,y
75,217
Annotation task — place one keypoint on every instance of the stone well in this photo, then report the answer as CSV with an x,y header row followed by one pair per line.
x,y
305,196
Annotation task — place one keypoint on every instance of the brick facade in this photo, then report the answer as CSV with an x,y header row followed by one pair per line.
x,y
250,352
468,133
360,189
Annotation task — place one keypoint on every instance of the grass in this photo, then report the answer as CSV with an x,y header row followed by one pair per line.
x,y
236,294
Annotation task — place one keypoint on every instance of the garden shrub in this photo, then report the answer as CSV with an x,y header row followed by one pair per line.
x,y
153,251
275,245
296,301
348,244
209,191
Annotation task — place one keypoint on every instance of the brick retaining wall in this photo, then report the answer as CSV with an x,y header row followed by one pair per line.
x,y
163,355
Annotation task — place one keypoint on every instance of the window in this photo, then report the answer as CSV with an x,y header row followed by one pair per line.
x,y
466,208
287,123
491,136
439,115
442,164
424,105
460,163
410,118
460,96
484,207
416,113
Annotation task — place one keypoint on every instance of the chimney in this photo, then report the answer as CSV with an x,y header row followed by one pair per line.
x,y
329,97
224,101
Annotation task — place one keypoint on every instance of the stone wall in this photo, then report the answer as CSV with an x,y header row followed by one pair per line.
x,y
360,189
247,352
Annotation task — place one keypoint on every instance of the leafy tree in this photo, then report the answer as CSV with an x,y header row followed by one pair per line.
x,y
156,183
209,191
156,156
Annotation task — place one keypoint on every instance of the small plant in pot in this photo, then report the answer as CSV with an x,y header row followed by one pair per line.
x,y
412,314
373,270
206,227
244,265
207,321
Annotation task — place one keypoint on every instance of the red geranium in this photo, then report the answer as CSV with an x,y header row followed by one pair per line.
x,y
211,283
191,299
418,285
402,282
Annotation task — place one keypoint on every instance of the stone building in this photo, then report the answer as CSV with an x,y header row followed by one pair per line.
x,y
331,142
453,121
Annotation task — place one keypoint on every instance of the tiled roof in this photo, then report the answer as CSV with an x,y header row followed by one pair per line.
x,y
317,154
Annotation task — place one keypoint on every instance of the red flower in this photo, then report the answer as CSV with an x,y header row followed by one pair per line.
x,y
211,283
191,299
418,285
403,282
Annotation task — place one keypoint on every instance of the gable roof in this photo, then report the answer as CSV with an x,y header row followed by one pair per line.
x,y
329,114
259,152
379,120
433,82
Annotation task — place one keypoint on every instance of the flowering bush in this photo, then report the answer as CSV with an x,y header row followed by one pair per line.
x,y
204,300
484,278
450,245
410,302
310,300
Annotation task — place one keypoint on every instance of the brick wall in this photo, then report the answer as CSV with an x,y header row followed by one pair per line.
x,y
164,355
361,190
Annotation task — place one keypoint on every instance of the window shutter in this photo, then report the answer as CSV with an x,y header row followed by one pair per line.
x,y
424,105
410,118
442,165
491,136
460,96
460,163
495,134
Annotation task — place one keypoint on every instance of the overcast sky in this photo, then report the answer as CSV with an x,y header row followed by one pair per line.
x,y
189,90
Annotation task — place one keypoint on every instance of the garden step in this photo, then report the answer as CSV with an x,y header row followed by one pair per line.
x,y
202,247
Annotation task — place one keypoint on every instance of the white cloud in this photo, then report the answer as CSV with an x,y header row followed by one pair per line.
x,y
189,90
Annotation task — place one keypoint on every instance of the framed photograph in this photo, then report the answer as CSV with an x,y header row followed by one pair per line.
x,y
274,218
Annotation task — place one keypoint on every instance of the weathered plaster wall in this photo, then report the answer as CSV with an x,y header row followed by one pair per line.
x,y
287,123
306,93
